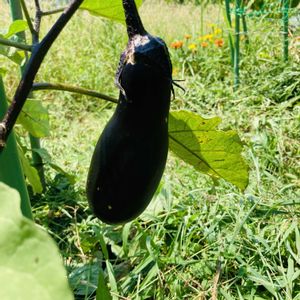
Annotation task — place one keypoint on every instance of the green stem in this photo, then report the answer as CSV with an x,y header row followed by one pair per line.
x,y
285,21
245,27
16,13
27,16
11,171
237,45
245,30
228,16
38,163
229,25
72,89
14,44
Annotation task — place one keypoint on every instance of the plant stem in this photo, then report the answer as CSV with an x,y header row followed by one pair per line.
x,y
245,30
285,25
53,11
237,45
37,22
31,70
14,44
27,17
245,27
72,89
35,142
133,21
229,24
11,171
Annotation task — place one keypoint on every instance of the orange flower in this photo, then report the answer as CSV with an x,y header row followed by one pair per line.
x,y
177,44
204,44
187,36
219,43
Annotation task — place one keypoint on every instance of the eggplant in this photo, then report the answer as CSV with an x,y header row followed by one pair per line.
x,y
131,153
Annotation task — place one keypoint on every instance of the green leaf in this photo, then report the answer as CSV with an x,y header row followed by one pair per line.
x,y
3,71
211,151
102,289
13,54
112,280
30,264
112,9
16,56
35,118
83,278
31,174
16,27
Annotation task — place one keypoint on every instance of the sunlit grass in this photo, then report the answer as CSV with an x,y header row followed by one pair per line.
x,y
195,241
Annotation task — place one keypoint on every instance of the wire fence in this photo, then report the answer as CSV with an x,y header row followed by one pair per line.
x,y
277,10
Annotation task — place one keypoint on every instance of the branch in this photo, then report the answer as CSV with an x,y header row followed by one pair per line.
x,y
53,11
37,22
32,67
17,45
27,17
72,89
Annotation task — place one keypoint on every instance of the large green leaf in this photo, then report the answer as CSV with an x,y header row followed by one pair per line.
x,y
35,118
111,9
211,151
30,265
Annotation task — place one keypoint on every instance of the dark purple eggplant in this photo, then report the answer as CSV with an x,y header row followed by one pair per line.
x,y
130,156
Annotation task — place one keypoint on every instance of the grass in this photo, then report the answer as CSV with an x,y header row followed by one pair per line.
x,y
195,241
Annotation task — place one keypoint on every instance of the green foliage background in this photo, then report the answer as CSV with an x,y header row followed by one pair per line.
x,y
195,239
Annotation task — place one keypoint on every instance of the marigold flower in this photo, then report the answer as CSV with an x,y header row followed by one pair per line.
x,y
187,36
217,31
204,44
177,44
192,46
208,37
219,43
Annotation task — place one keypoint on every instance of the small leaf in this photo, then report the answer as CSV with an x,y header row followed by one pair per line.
x,y
35,118
44,154
213,152
262,280
102,289
16,27
112,9
112,279
83,279
16,56
3,71
30,263
31,174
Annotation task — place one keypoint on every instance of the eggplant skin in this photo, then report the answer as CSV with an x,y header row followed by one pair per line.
x,y
131,153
